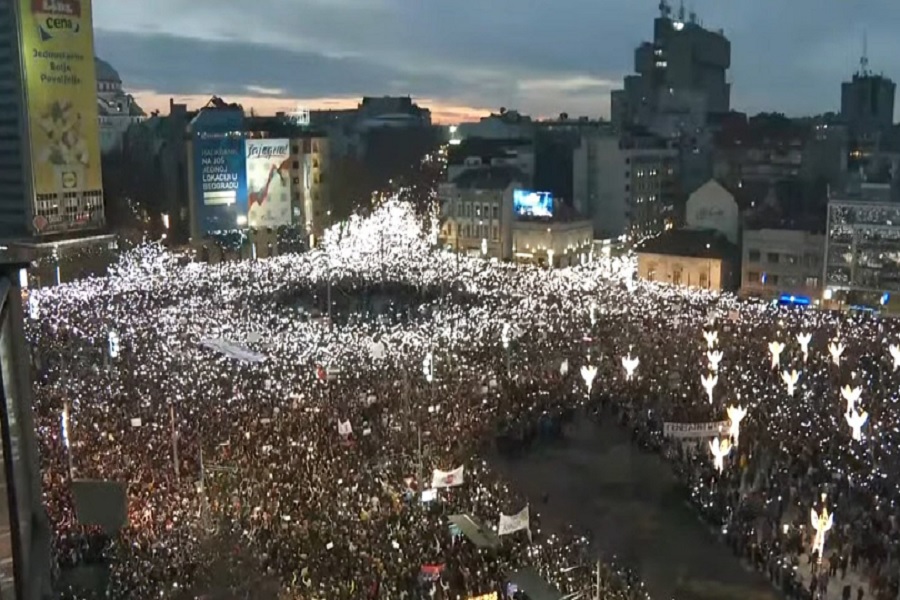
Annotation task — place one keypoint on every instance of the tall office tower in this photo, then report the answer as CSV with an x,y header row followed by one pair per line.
x,y
680,76
50,179
867,101
13,191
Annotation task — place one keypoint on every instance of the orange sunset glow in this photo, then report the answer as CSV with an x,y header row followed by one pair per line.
x,y
441,113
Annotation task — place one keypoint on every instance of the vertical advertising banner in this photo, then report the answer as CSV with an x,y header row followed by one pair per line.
x,y
220,187
268,182
61,87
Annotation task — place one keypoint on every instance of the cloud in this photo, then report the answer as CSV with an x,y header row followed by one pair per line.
x,y
264,91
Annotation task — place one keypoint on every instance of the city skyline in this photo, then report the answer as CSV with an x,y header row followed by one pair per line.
x,y
466,60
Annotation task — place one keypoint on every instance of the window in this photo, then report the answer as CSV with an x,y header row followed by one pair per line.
x,y
676,275
772,257
753,256
811,260
703,282
752,276
773,279
790,259
295,164
496,233
812,282
495,211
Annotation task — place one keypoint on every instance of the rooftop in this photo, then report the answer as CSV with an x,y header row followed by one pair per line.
x,y
484,148
489,178
697,243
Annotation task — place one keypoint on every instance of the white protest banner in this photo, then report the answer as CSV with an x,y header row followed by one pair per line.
x,y
513,523
695,430
344,428
232,350
445,479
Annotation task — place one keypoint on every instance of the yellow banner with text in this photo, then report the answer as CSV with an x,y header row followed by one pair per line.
x,y
61,88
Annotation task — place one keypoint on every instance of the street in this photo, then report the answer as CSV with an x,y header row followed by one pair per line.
x,y
598,481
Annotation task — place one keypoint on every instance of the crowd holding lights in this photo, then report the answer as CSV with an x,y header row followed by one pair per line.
x,y
325,434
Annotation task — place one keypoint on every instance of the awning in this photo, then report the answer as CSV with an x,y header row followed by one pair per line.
x,y
476,533
529,581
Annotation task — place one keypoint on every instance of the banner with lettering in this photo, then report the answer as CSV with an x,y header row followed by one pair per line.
x,y
63,119
695,430
268,182
219,182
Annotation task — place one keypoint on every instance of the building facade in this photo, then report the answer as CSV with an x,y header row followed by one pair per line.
x,y
301,170
867,102
687,271
553,243
477,209
680,77
712,207
862,250
118,110
51,183
25,571
15,151
625,185
505,125
782,262
689,258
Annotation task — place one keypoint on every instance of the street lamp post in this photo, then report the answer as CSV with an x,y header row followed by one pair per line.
x,y
174,441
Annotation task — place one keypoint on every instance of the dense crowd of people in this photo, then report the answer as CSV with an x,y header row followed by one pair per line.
x,y
311,462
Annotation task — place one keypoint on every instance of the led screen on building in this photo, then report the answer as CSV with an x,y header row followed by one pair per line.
x,y
61,90
220,171
527,203
268,182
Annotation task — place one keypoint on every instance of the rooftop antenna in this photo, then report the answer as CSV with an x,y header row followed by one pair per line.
x,y
664,9
864,59
692,17
681,11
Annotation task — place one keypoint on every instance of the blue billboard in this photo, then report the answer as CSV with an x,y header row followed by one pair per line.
x,y
527,203
220,170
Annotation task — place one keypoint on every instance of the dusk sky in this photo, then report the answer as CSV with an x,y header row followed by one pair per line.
x,y
465,58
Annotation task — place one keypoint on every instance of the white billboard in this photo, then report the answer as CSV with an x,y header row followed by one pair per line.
x,y
268,182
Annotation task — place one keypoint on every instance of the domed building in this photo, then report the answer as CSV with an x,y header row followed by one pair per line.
x,y
117,109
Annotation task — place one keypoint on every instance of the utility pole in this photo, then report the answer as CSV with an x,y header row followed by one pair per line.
x,y
409,418
68,433
174,441
330,321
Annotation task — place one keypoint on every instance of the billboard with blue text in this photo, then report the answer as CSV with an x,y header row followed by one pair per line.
x,y
220,171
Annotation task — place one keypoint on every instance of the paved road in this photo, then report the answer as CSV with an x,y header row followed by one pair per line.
x,y
598,480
